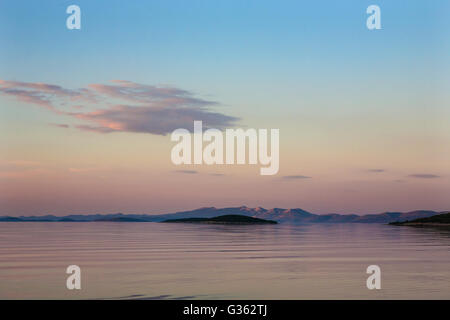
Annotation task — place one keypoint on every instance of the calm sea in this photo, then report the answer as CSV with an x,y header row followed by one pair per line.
x,y
185,261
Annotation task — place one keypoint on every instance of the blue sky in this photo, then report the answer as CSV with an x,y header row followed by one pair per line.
x,y
251,52
221,40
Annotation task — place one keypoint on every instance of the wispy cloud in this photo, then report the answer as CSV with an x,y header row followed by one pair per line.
x,y
376,170
122,106
424,176
43,94
186,171
82,170
20,168
60,125
295,177
157,96
19,165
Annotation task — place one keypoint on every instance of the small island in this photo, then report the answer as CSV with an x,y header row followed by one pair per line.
x,y
226,219
440,220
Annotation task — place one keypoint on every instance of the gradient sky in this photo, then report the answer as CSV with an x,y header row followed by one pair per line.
x,y
364,116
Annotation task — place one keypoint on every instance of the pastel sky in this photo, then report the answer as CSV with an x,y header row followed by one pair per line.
x,y
86,115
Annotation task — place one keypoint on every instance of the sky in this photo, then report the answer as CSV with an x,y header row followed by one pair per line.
x,y
86,115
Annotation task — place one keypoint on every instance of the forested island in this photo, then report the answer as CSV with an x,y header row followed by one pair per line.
x,y
437,220
225,219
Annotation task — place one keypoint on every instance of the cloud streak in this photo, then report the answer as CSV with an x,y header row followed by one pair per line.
x,y
20,168
186,171
42,94
424,176
296,177
121,106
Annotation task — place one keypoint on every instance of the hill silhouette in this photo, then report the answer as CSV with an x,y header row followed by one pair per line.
x,y
226,219
440,219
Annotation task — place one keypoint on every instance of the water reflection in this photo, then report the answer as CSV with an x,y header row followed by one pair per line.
x,y
174,261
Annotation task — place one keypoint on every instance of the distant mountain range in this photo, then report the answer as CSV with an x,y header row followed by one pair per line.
x,y
293,216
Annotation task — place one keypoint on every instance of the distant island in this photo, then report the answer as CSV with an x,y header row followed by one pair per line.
x,y
226,219
280,215
437,220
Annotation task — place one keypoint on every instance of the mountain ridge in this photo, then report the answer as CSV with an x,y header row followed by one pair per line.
x,y
281,215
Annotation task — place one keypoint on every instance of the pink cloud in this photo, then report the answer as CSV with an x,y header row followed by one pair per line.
x,y
154,109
